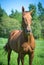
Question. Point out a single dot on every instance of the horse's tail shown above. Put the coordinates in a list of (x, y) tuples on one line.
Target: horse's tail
[(6, 47)]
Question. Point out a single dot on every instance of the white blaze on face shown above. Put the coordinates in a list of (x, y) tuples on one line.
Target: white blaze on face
[(28, 27)]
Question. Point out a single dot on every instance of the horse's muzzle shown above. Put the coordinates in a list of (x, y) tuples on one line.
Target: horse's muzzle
[(28, 31)]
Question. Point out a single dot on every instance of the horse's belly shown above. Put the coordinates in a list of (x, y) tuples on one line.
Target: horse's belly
[(15, 45)]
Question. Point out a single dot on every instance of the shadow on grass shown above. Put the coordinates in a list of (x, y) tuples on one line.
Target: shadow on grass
[(1, 63)]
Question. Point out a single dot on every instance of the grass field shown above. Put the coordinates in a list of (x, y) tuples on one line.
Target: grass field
[(38, 58)]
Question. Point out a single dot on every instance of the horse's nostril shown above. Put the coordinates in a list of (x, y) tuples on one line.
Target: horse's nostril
[(28, 30)]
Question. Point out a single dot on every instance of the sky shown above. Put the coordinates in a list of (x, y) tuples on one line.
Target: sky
[(8, 5)]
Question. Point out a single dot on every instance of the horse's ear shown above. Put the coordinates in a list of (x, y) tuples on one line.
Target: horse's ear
[(23, 9), (31, 11)]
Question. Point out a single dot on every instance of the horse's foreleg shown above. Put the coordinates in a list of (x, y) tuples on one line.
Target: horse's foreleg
[(9, 53), (31, 58), (18, 60), (22, 59)]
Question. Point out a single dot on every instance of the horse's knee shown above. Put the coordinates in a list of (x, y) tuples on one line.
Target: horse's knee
[(32, 55)]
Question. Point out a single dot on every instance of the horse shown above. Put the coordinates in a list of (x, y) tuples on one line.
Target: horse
[(22, 41)]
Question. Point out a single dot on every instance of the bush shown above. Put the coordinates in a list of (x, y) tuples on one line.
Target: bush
[(36, 28)]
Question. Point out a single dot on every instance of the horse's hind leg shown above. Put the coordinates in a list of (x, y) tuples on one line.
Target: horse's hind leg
[(9, 53)]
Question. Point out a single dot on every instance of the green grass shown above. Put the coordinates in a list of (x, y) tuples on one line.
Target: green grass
[(38, 55)]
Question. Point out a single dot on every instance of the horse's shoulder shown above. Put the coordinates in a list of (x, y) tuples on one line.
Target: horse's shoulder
[(15, 33)]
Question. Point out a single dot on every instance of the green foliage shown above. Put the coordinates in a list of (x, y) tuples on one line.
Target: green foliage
[(36, 30), (8, 25), (12, 14), (41, 11), (32, 7), (16, 15), (1, 14), (41, 17), (40, 8), (36, 27)]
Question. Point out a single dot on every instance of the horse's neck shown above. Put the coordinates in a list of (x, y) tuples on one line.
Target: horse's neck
[(25, 36)]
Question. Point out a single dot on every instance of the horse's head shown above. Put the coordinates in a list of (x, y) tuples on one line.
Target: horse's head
[(27, 20)]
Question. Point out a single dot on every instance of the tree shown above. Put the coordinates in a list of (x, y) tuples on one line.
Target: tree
[(36, 30), (12, 14), (40, 8), (32, 7), (41, 11), (16, 15), (41, 17), (1, 13)]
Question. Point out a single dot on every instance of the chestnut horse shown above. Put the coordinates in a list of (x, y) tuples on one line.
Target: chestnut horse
[(22, 41)]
